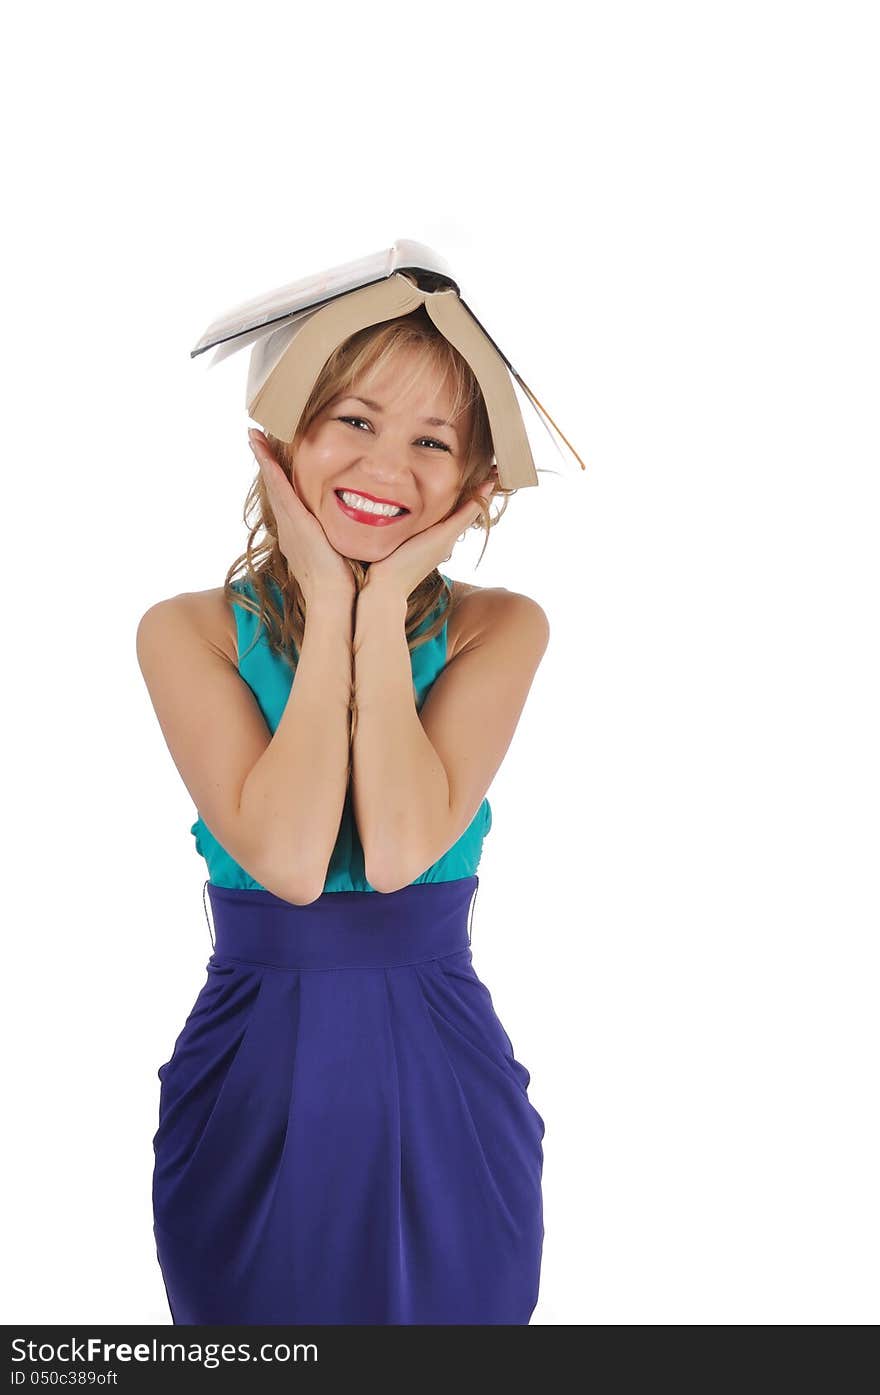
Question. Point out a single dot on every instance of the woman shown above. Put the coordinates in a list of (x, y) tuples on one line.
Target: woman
[(345, 1135)]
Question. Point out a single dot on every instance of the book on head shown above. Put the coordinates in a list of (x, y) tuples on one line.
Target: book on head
[(293, 331)]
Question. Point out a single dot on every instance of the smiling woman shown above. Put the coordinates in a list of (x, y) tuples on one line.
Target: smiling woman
[(363, 430), (345, 1134)]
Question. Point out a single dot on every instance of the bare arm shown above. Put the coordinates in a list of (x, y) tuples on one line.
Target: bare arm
[(420, 777), (400, 789), (296, 790), (274, 802)]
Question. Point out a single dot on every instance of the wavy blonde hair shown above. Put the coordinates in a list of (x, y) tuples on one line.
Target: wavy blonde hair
[(281, 605)]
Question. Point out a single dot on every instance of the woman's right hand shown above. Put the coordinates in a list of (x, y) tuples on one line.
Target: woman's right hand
[(319, 569)]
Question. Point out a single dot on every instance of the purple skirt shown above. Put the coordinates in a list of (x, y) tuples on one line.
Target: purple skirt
[(345, 1135)]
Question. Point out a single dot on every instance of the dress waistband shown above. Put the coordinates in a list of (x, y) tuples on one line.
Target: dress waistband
[(344, 929)]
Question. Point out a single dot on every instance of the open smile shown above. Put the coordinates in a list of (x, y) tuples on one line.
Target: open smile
[(373, 519)]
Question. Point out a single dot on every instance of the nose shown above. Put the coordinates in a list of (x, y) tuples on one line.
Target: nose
[(385, 475)]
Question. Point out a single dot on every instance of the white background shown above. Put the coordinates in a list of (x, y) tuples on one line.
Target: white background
[(668, 216)]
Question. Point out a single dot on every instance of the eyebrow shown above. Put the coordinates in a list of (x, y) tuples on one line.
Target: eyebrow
[(426, 421)]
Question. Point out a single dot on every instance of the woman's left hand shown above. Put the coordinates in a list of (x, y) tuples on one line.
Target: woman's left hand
[(402, 570)]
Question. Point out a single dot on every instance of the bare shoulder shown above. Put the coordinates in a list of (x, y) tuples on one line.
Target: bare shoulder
[(211, 616), (480, 611)]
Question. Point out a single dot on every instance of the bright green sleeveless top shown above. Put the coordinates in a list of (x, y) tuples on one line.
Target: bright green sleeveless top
[(270, 680)]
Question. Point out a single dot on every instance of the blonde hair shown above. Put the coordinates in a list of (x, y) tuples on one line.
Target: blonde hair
[(263, 564)]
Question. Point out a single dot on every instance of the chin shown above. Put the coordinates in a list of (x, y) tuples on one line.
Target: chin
[(380, 545)]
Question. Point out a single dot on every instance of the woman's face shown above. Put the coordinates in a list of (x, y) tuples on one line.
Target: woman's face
[(397, 446)]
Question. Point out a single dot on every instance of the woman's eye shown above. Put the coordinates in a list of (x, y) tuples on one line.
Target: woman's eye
[(352, 420)]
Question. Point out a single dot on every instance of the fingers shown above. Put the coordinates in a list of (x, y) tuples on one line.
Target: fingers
[(483, 494), (261, 452), (273, 475)]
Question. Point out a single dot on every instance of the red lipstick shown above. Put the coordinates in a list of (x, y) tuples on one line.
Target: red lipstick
[(375, 520)]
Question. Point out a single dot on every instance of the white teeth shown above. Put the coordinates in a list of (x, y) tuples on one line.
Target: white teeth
[(357, 501)]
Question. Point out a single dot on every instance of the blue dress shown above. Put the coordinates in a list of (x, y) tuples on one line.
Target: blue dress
[(345, 1134)]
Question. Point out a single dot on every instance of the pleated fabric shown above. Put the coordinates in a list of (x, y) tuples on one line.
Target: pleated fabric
[(345, 1135)]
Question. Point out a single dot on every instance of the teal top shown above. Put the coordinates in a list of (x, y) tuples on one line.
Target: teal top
[(270, 680)]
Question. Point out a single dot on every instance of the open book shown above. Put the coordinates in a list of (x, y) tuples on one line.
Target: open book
[(294, 330)]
